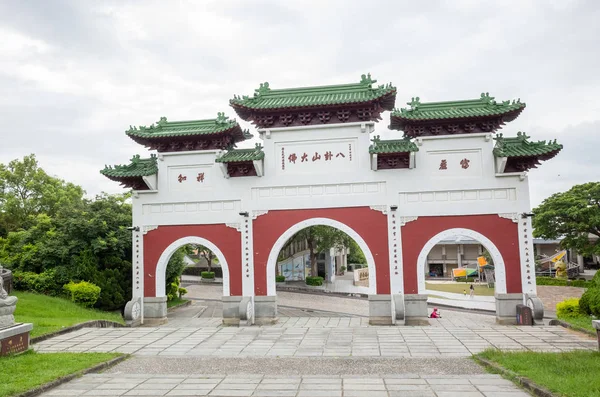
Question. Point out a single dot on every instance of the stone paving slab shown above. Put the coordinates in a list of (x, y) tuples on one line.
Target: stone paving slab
[(318, 337), (487, 385)]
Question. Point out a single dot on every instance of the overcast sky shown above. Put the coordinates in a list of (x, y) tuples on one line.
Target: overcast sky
[(75, 74)]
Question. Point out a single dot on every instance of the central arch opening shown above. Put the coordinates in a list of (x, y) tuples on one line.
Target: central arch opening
[(324, 248)]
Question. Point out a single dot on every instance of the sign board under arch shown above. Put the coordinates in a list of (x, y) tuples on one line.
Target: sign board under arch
[(161, 266), (499, 268), (272, 261)]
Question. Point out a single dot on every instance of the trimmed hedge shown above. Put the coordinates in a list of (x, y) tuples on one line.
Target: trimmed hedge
[(316, 281), (197, 271), (208, 275), (564, 283), (83, 293), (465, 279), (279, 279)]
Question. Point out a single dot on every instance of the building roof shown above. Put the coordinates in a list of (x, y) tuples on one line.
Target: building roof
[(170, 135), (520, 146), (266, 98), (240, 155), (485, 106), (380, 146), (138, 167)]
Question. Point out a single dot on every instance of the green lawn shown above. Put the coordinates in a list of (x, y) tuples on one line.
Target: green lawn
[(28, 370), (570, 374), (581, 321), (458, 288), (49, 314), (176, 302)]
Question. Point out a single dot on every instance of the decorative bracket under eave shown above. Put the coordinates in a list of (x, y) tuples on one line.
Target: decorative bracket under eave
[(151, 181), (501, 164), (259, 167)]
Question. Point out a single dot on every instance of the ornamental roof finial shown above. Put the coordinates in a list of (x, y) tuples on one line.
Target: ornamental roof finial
[(221, 118), (258, 146), (162, 121), (414, 103), (263, 89), (366, 79), (485, 96), (376, 138)]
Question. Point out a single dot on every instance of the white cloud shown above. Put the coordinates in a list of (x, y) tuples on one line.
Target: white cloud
[(75, 75)]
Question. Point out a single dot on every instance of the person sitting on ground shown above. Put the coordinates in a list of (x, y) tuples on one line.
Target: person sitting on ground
[(435, 313)]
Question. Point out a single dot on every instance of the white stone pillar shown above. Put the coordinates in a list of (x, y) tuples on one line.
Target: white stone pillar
[(580, 262), (527, 254), (458, 255), (395, 253), (248, 258)]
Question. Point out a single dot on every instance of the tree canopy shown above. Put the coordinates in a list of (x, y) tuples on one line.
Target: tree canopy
[(48, 227), (573, 215), (322, 238)]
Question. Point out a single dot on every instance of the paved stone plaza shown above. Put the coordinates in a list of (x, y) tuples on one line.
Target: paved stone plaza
[(321, 336), (309, 386), (326, 349)]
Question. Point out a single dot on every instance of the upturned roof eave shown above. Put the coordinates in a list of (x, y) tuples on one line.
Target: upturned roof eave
[(398, 122), (237, 106)]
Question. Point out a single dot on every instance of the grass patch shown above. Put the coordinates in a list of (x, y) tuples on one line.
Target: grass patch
[(580, 321), (28, 370), (570, 374), (458, 288), (176, 302), (50, 314)]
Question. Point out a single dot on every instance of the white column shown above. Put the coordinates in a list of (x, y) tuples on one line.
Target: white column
[(580, 262), (395, 250), (458, 255), (248, 258), (527, 254)]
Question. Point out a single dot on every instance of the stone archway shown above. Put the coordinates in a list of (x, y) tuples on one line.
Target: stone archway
[(500, 271), (272, 260), (161, 266)]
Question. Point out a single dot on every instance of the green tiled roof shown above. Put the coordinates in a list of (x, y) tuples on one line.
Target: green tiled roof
[(266, 98), (392, 146), (237, 155), (164, 128), (520, 146), (482, 107), (137, 168)]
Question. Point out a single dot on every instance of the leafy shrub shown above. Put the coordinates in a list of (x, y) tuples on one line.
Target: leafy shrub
[(590, 302), (316, 281), (43, 283), (83, 293), (175, 291), (568, 308), (280, 279), (208, 275)]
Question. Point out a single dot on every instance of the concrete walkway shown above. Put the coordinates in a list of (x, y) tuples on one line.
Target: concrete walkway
[(293, 386)]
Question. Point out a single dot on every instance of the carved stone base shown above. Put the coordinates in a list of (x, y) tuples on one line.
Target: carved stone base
[(506, 308), (15, 339), (265, 310), (415, 306), (155, 310), (380, 309)]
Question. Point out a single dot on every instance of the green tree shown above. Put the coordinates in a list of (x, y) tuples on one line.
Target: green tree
[(573, 215), (207, 254), (27, 191), (320, 238), (356, 255)]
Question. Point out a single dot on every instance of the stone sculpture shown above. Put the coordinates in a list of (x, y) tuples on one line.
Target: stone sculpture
[(8, 304)]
